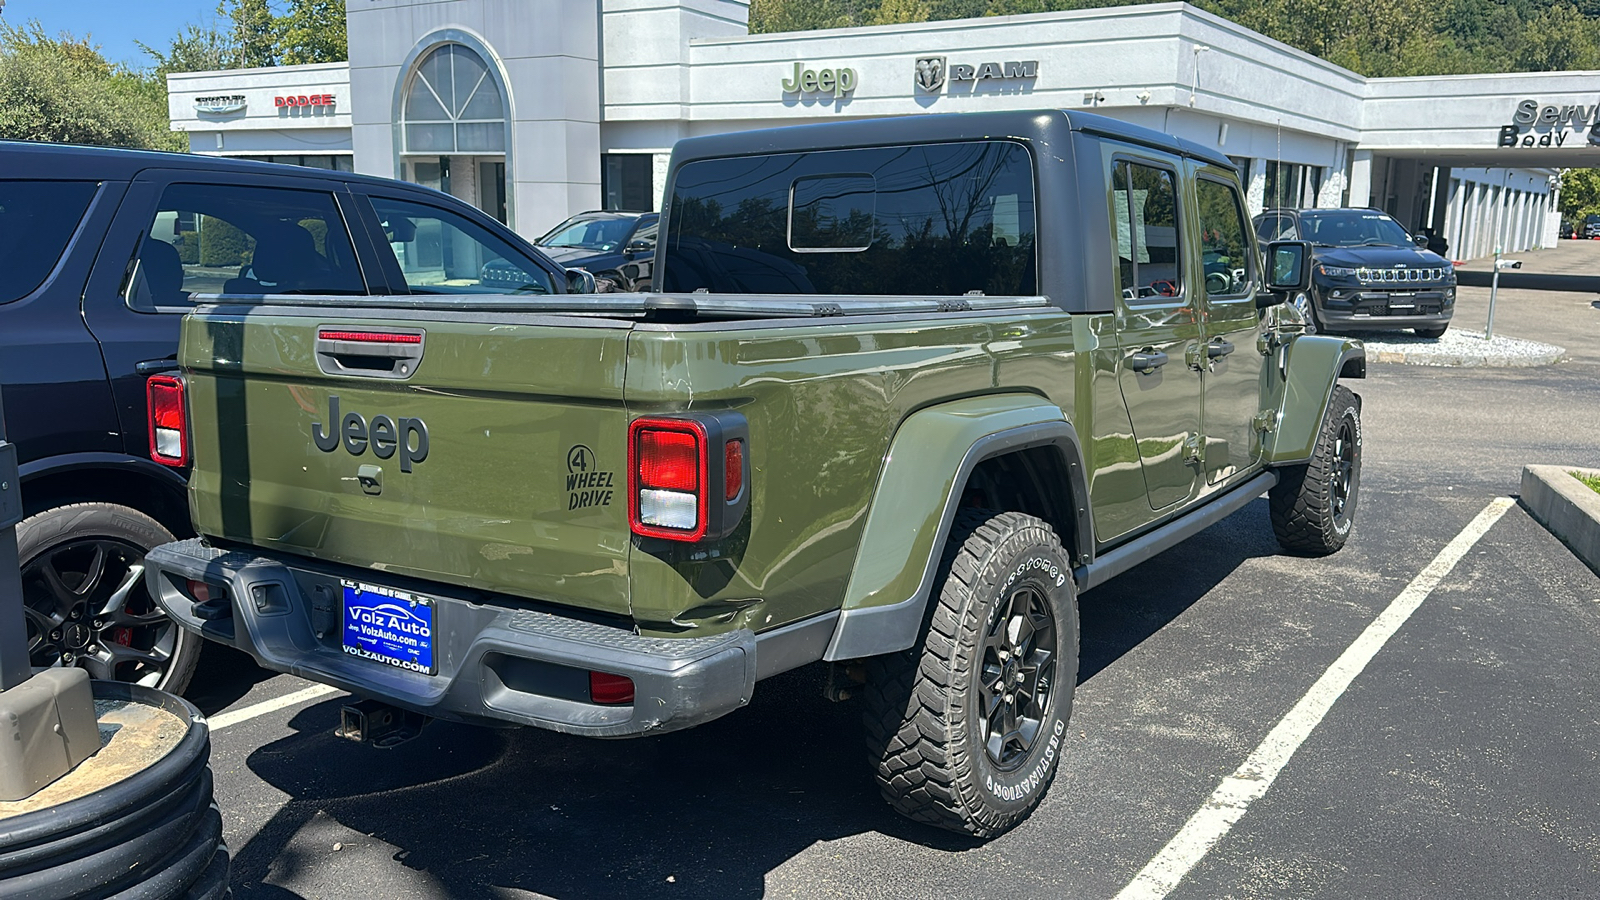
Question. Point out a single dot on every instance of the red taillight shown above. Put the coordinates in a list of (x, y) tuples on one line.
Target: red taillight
[(732, 469), (666, 471), (608, 688), (688, 477), (169, 426), (669, 460)]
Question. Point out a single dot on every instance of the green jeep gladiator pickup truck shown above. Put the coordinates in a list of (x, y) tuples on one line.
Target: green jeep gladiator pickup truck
[(904, 387)]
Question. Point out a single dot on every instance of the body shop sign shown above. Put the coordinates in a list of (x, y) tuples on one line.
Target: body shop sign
[(1555, 125)]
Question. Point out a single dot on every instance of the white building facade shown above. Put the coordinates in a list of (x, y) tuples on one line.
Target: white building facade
[(533, 110)]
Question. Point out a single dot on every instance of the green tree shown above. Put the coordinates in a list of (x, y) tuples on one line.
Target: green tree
[(1580, 194), (1557, 38), (62, 89), (313, 31), (900, 12), (254, 31), (198, 48)]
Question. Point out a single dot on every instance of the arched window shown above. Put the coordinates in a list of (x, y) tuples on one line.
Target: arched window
[(453, 105)]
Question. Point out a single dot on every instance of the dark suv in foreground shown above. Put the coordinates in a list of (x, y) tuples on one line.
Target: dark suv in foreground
[(1368, 275), (618, 247), (101, 253)]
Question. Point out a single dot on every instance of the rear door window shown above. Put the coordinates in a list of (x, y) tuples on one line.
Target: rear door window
[(441, 252), (208, 239), (1149, 256), (932, 219), (37, 221)]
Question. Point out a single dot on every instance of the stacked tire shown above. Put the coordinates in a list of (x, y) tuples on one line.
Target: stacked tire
[(154, 835)]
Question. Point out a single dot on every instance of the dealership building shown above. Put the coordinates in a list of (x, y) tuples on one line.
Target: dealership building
[(536, 109)]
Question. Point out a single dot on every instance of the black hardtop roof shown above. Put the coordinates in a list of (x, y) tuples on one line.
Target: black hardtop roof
[(1032, 126), (38, 159)]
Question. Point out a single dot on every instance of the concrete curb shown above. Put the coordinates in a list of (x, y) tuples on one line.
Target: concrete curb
[(1464, 349), (1567, 507)]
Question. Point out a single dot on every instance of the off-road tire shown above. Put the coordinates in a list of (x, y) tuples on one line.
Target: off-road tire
[(135, 533), (1313, 505), (1431, 332), (923, 706)]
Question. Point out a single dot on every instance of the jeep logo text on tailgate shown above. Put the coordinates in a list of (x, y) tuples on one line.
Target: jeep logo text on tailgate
[(386, 435)]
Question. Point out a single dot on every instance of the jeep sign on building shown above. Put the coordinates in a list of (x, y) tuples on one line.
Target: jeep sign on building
[(537, 109)]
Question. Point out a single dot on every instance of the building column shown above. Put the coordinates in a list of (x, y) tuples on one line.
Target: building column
[(1361, 179), (1552, 217), (1255, 192)]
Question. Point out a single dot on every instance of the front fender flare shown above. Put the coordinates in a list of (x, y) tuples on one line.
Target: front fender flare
[(1311, 364), (919, 489)]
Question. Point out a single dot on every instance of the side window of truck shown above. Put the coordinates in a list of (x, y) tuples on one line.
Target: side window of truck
[(440, 252), (230, 239), (37, 221), (1149, 254), (1225, 253)]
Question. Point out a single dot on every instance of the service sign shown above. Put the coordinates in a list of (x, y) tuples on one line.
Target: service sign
[(1536, 124)]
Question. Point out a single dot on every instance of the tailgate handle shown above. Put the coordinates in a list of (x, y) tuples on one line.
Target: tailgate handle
[(389, 353)]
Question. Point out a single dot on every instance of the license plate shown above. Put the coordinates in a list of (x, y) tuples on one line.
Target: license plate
[(389, 626)]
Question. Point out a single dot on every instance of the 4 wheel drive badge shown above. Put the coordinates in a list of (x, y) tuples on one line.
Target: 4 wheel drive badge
[(930, 73)]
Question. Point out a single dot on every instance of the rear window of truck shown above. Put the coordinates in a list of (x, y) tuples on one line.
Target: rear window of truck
[(932, 219), (37, 220)]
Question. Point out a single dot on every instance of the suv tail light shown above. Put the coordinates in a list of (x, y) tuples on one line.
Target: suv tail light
[(674, 491), (169, 420)]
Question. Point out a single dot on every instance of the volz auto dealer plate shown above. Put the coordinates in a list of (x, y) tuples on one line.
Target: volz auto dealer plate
[(389, 626)]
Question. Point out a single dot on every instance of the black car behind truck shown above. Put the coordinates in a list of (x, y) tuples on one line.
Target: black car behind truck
[(102, 252), (1369, 274), (619, 248)]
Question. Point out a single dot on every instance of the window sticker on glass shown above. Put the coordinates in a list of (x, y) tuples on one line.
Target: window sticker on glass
[(832, 213)]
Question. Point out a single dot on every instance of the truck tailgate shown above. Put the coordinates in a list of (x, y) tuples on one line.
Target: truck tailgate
[(477, 452)]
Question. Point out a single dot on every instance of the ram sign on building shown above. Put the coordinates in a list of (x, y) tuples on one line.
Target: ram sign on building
[(536, 109)]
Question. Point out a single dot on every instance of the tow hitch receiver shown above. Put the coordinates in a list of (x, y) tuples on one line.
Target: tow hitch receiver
[(379, 724)]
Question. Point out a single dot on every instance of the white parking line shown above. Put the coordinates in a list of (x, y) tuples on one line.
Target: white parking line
[(1252, 779), (234, 717)]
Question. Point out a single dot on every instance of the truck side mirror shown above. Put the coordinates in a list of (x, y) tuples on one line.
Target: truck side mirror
[(640, 246), (1288, 271), (579, 281), (1421, 240)]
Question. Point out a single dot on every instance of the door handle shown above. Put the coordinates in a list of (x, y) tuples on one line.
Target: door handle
[(1218, 348), (1147, 360)]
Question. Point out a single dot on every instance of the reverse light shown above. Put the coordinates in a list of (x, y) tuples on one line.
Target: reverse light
[(169, 426), (674, 490)]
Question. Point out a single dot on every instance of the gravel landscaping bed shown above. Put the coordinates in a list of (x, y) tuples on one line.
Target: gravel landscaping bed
[(1459, 348)]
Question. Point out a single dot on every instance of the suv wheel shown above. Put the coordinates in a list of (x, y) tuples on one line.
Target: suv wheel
[(965, 732), (1431, 332), (85, 602), (1314, 505), (1308, 310)]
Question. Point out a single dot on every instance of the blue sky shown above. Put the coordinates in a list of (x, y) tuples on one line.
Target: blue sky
[(114, 24)]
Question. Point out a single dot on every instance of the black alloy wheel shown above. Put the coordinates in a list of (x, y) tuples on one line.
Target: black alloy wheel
[(1019, 665), (85, 602), (86, 605), (1342, 473)]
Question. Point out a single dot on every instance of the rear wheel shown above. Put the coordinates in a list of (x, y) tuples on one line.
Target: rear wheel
[(85, 602), (965, 732), (1314, 505), (1431, 332)]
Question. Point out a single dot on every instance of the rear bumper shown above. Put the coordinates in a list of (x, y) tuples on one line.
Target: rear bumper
[(492, 663)]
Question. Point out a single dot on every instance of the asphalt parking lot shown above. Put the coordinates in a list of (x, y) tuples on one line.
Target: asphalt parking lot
[(1461, 760)]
